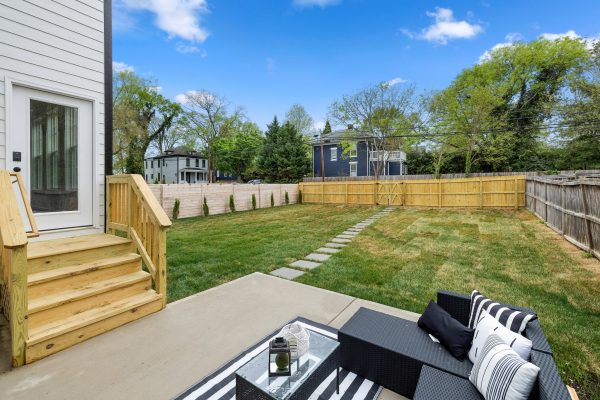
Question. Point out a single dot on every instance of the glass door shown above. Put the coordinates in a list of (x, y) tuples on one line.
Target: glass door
[(54, 156)]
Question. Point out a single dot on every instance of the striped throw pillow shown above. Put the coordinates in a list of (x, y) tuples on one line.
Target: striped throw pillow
[(514, 320), (500, 374)]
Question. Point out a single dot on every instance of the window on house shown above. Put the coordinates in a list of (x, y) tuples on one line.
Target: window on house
[(203, 163), (151, 164), (151, 176), (197, 175), (146, 177), (197, 163), (353, 153), (187, 162), (334, 154), (353, 168), (164, 162), (182, 176), (159, 177)]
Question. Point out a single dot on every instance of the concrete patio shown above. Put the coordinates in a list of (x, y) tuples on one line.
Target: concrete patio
[(161, 355)]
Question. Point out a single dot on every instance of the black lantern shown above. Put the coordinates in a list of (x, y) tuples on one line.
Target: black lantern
[(280, 357)]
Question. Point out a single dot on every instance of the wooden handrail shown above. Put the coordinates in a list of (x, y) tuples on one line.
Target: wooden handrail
[(34, 229), (12, 231), (13, 267), (133, 209)]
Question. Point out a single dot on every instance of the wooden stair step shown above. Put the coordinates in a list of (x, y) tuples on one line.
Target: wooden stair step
[(55, 300), (88, 318), (74, 270), (55, 247)]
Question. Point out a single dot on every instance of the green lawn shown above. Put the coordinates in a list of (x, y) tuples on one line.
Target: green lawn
[(208, 251), (403, 258)]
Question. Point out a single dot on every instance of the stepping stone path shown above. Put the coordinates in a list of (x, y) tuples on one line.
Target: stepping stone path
[(322, 254)]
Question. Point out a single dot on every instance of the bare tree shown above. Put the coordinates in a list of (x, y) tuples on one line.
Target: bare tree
[(207, 121), (384, 116), (300, 119)]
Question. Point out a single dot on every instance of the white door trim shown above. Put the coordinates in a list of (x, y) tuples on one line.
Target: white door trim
[(43, 85)]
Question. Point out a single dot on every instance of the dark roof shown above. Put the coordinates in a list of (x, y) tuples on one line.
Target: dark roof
[(180, 151), (338, 135)]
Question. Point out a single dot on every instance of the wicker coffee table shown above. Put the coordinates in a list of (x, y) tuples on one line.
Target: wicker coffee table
[(322, 359)]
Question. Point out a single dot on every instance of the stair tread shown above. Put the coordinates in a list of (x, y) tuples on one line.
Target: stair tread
[(64, 325), (69, 245), (54, 300), (72, 270)]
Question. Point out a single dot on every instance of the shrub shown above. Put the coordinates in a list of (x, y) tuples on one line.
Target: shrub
[(272, 200), (176, 209), (287, 198), (253, 201), (231, 203), (299, 196), (205, 208)]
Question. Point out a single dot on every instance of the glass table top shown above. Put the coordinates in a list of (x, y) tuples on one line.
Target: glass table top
[(282, 387)]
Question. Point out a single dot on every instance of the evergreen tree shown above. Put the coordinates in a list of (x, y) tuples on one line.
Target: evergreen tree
[(327, 128), (284, 156)]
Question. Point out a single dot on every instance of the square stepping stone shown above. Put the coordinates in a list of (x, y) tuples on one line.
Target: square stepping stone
[(287, 273), (340, 240), (355, 229), (317, 257), (349, 233), (327, 250), (305, 264), (335, 245), (342, 236)]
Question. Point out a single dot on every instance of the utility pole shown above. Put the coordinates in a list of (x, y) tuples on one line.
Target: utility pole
[(322, 161)]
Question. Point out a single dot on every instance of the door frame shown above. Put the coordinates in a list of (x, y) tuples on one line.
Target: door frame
[(57, 89)]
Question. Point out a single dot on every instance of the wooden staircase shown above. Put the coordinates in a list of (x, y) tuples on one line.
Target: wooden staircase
[(81, 287), (57, 293)]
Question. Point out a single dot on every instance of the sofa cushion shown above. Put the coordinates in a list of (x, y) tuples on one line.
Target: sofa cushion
[(488, 325), (514, 320), (453, 335), (500, 374), (439, 385)]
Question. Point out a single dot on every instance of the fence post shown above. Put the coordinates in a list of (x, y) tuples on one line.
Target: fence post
[(516, 193), (322, 192), (480, 192), (546, 201), (588, 228), (402, 194), (375, 192), (562, 209), (259, 198), (346, 193), (439, 193)]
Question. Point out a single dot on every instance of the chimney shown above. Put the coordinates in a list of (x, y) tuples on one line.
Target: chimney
[(350, 127)]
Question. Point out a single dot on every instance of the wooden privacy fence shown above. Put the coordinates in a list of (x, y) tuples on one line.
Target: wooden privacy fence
[(569, 206), (481, 192), (192, 196)]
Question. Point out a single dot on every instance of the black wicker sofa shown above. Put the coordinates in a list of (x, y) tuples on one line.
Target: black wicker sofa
[(400, 356)]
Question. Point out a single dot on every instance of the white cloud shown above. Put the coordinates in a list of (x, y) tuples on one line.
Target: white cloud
[(510, 39), (121, 66), (179, 18), (318, 126), (571, 34), (319, 3), (190, 49), (183, 98), (445, 28), (396, 81)]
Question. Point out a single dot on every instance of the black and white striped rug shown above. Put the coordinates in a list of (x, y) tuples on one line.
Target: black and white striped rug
[(220, 385)]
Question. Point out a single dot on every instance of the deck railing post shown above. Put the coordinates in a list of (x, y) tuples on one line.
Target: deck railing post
[(17, 262)]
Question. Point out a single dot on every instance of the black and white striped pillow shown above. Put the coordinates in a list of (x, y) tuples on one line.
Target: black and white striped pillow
[(516, 321), (500, 374)]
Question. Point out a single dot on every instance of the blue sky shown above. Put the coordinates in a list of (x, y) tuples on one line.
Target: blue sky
[(266, 55)]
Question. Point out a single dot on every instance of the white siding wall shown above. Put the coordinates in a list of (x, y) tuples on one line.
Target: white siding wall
[(56, 45)]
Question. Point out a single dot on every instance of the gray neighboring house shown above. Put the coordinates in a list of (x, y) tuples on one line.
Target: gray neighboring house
[(360, 161), (176, 165)]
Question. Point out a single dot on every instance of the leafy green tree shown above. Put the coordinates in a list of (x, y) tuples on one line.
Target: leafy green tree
[(327, 128), (140, 116), (284, 157), (238, 152), (300, 119)]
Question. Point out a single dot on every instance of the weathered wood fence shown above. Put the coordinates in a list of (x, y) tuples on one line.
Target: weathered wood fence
[(569, 206), (192, 196), (481, 192)]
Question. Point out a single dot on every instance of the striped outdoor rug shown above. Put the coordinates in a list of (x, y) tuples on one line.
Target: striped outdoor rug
[(220, 385)]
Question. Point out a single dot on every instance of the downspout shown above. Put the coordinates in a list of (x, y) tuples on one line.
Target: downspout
[(108, 104)]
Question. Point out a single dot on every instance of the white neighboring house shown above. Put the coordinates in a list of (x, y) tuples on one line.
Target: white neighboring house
[(176, 166), (55, 79)]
